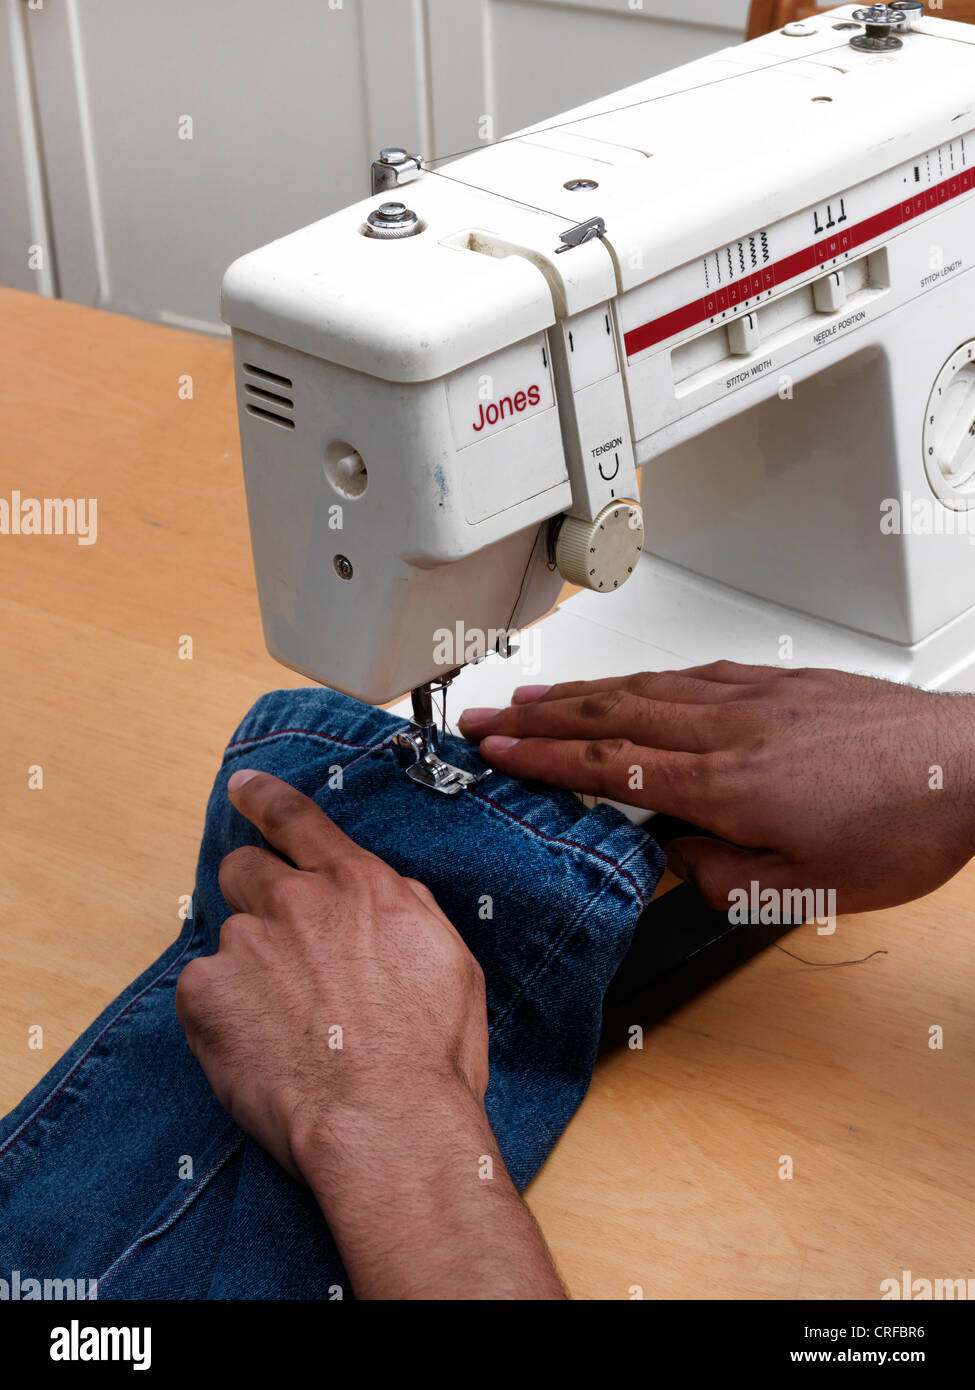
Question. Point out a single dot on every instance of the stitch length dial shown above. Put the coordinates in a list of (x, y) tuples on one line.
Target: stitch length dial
[(949, 430)]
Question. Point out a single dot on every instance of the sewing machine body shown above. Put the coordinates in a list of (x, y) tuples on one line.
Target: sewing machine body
[(778, 326)]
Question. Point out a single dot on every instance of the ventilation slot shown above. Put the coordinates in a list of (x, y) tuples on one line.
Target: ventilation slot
[(265, 375), (271, 397), (269, 415), (266, 388)]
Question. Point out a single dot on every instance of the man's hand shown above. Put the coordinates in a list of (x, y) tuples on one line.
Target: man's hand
[(338, 942), (342, 1023), (815, 778)]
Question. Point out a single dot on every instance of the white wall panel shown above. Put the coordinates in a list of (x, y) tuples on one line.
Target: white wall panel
[(147, 221), (26, 251), (289, 100), (518, 61)]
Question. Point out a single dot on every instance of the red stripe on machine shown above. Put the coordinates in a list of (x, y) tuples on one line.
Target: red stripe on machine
[(719, 301)]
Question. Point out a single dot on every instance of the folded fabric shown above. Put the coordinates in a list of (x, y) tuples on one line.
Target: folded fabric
[(121, 1166)]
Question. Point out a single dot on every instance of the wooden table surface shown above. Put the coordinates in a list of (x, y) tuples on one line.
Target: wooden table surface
[(668, 1180)]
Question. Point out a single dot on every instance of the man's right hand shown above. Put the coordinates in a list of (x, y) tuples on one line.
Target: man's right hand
[(814, 779)]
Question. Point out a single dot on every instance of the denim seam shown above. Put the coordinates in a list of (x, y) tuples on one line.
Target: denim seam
[(487, 801), (546, 962), (586, 850), (174, 1215), (367, 748), (86, 1056), (376, 748), (308, 733), (642, 850)]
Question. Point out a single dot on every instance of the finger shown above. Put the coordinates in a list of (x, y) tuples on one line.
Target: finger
[(717, 869), (655, 685), (734, 673), (247, 876), (290, 821), (239, 928), (610, 714), (192, 989), (423, 893), (683, 685), (678, 784), (429, 901)]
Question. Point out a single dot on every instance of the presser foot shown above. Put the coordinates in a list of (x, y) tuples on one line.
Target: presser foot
[(430, 770), (420, 739)]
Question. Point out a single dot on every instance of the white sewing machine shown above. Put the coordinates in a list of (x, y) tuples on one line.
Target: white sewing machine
[(752, 276)]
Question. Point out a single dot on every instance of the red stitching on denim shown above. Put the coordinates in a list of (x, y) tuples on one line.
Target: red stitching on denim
[(87, 1055), (112, 1270), (371, 748), (571, 844), (275, 733)]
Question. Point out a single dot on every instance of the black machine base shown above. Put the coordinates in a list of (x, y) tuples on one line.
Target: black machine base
[(680, 947)]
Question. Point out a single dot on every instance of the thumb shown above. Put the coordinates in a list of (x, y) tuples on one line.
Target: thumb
[(715, 868)]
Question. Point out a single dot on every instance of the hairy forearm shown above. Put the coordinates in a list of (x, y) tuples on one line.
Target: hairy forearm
[(421, 1204)]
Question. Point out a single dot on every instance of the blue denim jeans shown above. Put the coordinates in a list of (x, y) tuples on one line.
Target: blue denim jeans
[(121, 1165)]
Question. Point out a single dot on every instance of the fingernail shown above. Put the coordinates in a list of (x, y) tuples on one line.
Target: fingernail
[(239, 778), (478, 716), (498, 743), (526, 693)]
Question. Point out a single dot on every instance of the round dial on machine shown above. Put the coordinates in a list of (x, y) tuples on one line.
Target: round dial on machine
[(601, 554), (949, 430)]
